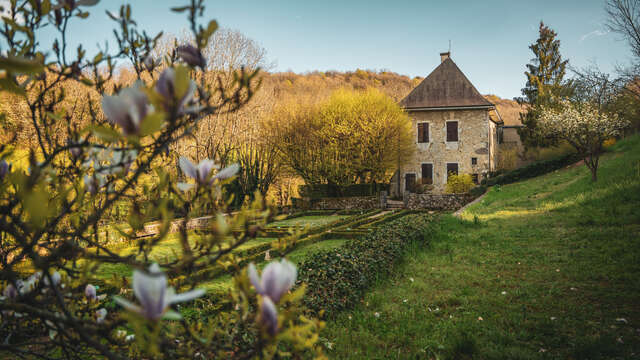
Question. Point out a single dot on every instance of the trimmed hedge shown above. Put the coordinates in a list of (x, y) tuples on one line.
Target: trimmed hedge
[(532, 170), (318, 191), (337, 278)]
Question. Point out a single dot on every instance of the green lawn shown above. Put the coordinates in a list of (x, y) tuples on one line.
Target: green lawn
[(311, 221), (548, 268)]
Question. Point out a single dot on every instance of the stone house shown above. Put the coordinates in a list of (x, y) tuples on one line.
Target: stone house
[(456, 131)]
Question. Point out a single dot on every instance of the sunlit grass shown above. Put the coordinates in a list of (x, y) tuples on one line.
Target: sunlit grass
[(545, 268)]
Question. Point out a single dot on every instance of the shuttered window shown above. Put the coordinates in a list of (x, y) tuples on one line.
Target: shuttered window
[(452, 131), (476, 179), (452, 168), (423, 132), (427, 174)]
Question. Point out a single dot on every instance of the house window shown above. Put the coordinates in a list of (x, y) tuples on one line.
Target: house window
[(409, 182), (474, 161), (452, 169), (476, 179), (452, 131), (423, 132), (427, 174)]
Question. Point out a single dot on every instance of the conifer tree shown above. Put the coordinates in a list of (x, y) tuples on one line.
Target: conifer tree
[(544, 85)]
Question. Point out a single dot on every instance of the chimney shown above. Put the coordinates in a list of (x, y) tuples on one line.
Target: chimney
[(444, 56)]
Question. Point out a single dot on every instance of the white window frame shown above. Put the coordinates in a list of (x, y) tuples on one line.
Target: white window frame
[(418, 132), (445, 131)]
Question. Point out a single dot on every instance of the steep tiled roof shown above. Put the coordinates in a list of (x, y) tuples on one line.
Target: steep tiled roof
[(446, 86)]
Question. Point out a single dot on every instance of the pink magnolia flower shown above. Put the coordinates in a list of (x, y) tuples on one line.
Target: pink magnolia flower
[(166, 88), (150, 288), (127, 109), (277, 279), (191, 55), (200, 173), (90, 292), (269, 315)]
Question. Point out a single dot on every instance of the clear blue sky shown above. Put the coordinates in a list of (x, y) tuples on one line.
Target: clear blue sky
[(489, 38)]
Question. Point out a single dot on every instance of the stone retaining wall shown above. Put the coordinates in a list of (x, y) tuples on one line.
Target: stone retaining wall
[(445, 202), (153, 228), (345, 203)]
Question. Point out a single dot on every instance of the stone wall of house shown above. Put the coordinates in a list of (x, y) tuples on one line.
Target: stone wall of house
[(447, 202), (345, 203), (474, 141)]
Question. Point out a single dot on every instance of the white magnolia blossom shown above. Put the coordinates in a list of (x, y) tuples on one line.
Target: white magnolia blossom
[(90, 292), (166, 88), (201, 172), (269, 315), (277, 279), (155, 297), (100, 315), (191, 55), (127, 109)]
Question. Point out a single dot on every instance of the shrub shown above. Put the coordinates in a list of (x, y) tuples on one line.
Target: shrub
[(609, 143), (459, 184), (337, 278), (532, 170), (478, 190)]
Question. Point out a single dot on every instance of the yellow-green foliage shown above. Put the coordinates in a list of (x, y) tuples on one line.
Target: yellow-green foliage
[(457, 184), (354, 137), (609, 142)]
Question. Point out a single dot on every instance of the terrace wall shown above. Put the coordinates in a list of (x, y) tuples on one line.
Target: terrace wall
[(345, 203), (444, 202)]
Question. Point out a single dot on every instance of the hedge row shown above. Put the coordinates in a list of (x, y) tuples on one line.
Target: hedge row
[(532, 170), (318, 191), (337, 278)]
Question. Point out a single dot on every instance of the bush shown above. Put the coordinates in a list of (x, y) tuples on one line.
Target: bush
[(459, 184), (478, 190), (532, 170), (318, 191), (337, 278)]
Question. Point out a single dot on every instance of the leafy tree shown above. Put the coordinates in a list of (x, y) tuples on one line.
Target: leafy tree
[(354, 137), (545, 76), (583, 125)]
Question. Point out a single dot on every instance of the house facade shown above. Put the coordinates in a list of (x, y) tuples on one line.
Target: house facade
[(456, 131)]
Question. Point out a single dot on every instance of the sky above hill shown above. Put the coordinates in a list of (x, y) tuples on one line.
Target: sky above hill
[(489, 39)]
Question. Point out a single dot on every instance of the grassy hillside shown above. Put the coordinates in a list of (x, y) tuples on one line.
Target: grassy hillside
[(548, 268)]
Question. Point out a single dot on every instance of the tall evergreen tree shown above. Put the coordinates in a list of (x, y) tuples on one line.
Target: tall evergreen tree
[(544, 85)]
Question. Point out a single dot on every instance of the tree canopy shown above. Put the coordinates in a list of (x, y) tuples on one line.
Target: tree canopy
[(353, 137)]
